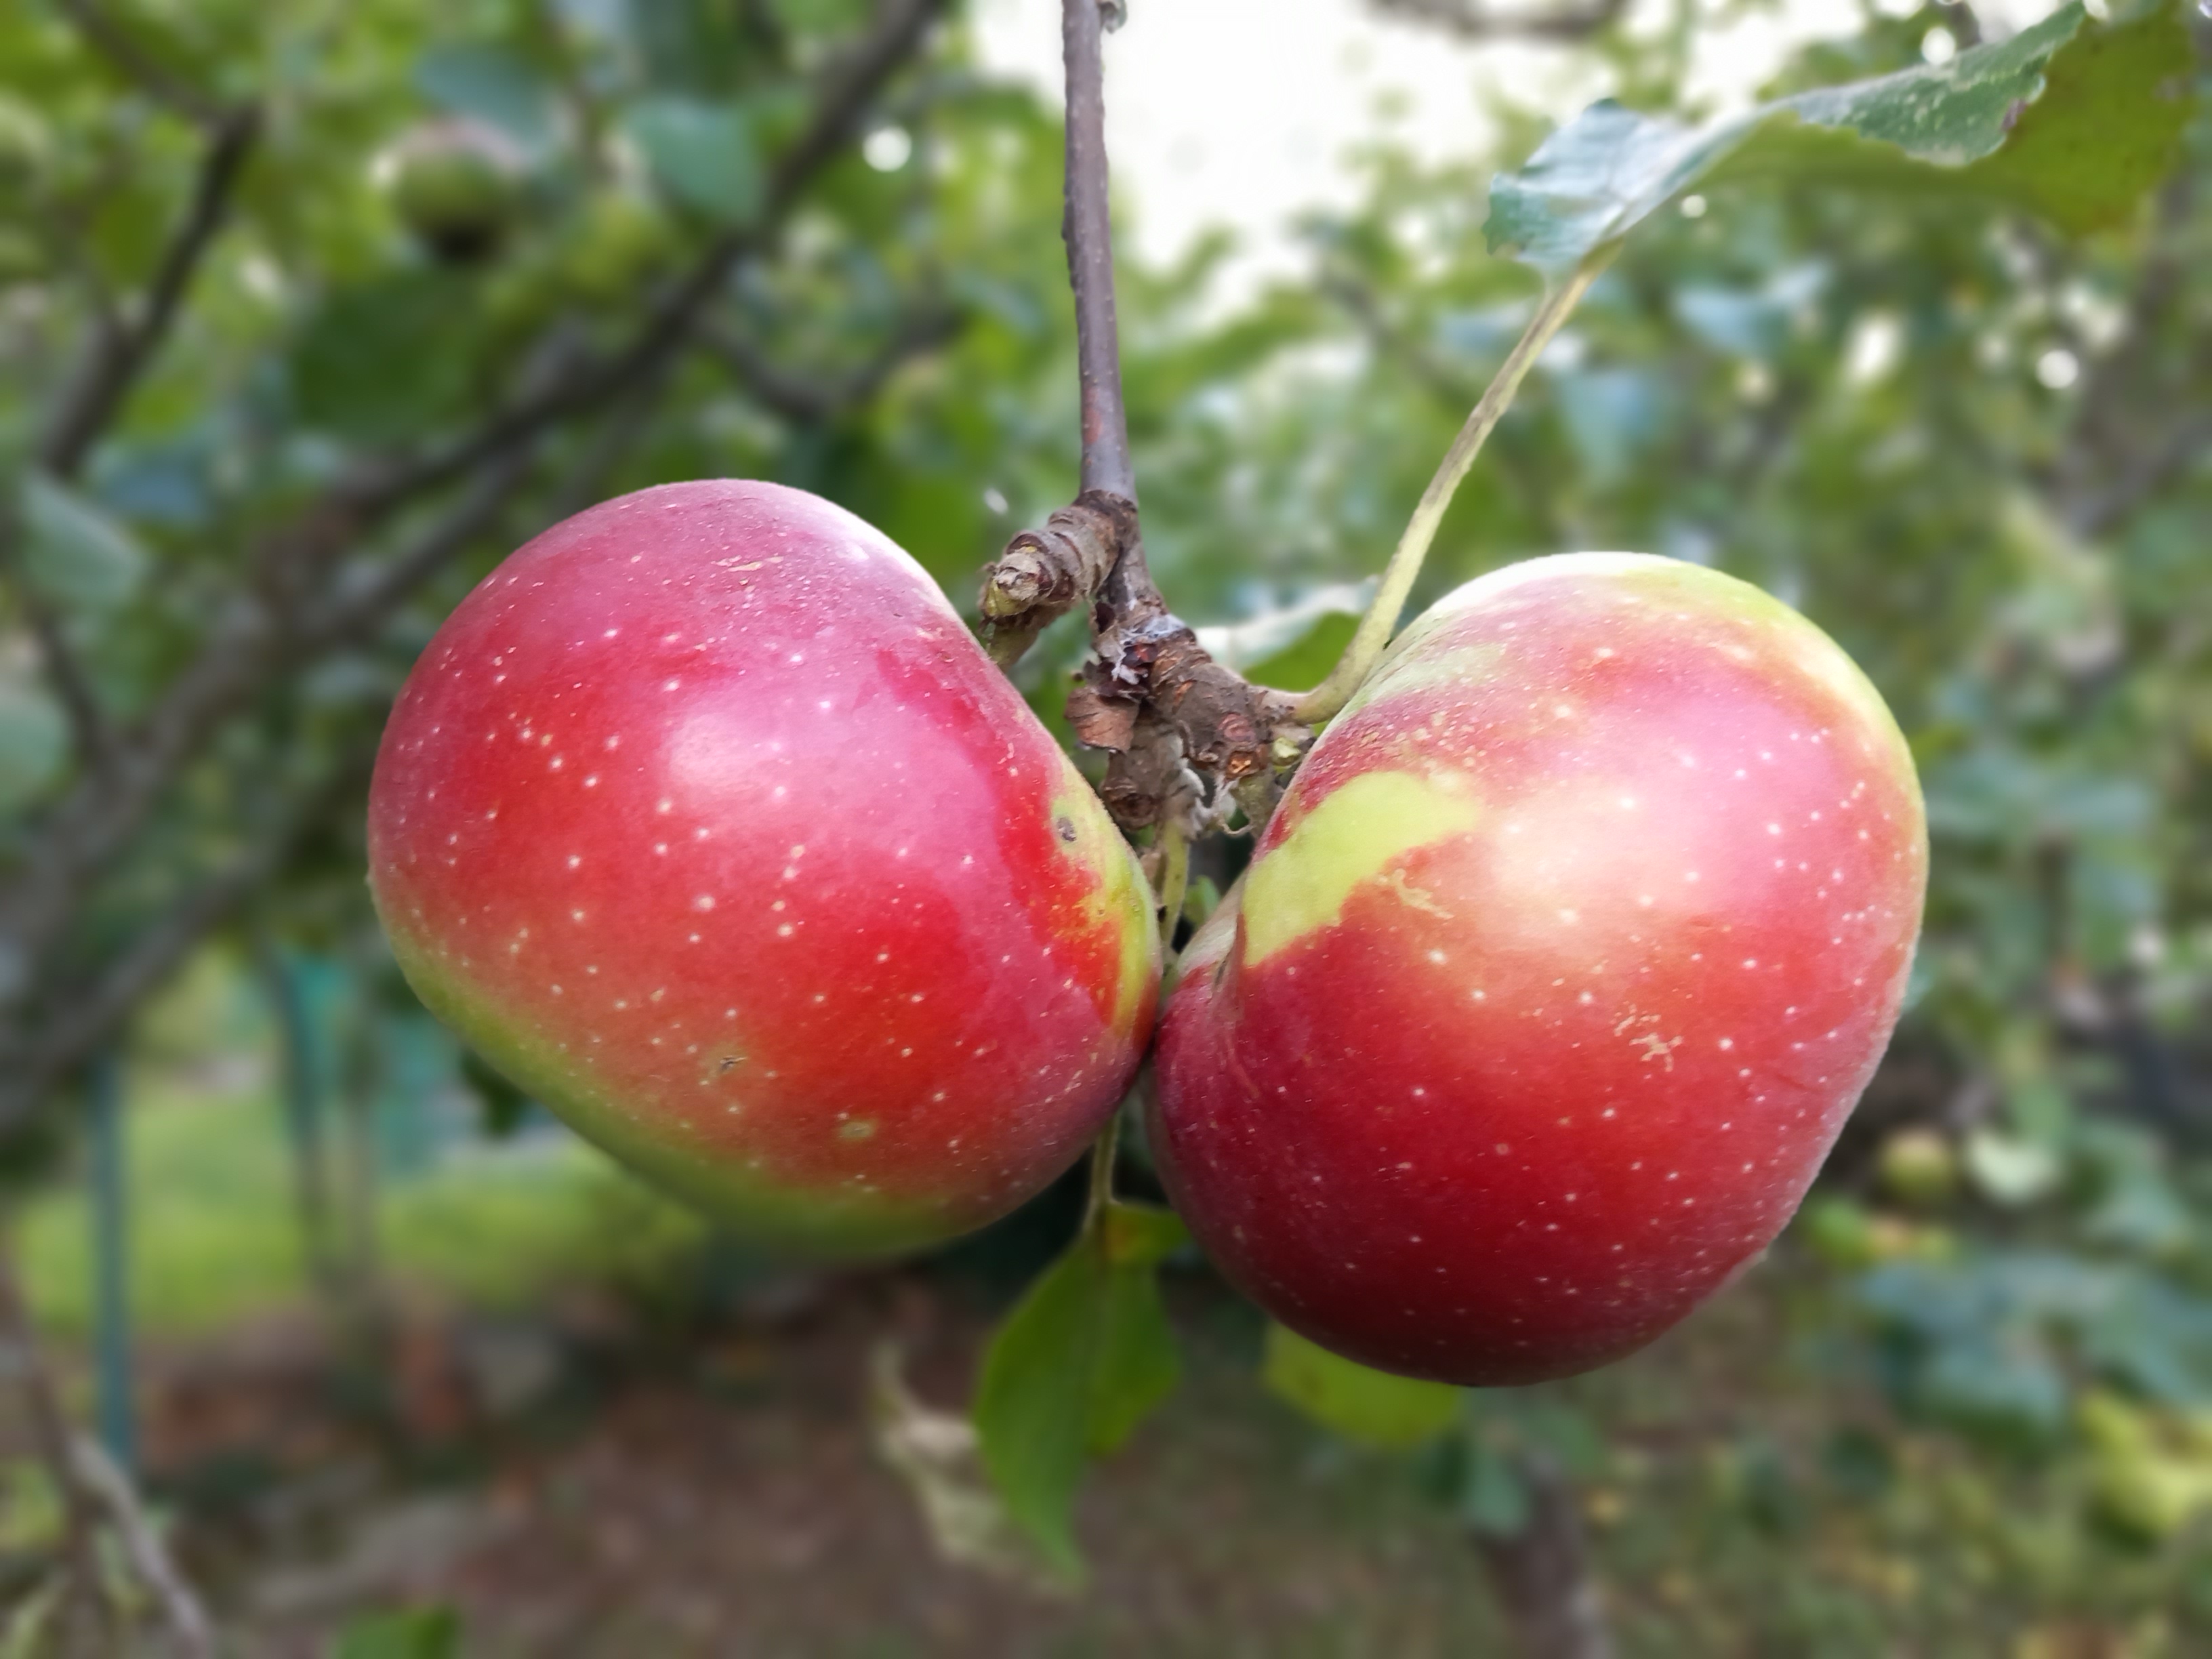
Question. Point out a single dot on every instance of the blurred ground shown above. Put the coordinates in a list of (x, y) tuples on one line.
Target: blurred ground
[(625, 1443)]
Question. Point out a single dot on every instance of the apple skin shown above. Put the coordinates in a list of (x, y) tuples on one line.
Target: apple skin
[(1554, 976), (704, 819)]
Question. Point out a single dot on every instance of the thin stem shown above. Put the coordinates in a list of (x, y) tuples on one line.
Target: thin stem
[(1103, 1152), (1375, 628), (1089, 232), (1174, 879)]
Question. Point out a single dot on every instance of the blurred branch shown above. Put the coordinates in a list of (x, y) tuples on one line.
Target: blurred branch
[(297, 606), (122, 351), (21, 1359), (1473, 20), (65, 672), (2146, 473), (160, 83), (844, 92), (817, 397), (2106, 442), (192, 1637), (122, 347), (1542, 1572), (1359, 300), (88, 1015)]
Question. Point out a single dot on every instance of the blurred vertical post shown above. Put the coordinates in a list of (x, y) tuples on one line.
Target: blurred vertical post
[(111, 1267), (307, 1074)]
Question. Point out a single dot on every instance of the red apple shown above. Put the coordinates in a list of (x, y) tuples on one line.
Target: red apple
[(704, 818), (1554, 976)]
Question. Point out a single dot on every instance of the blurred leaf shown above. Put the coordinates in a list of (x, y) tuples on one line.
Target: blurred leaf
[(1072, 1369), (1295, 645), (1305, 663), (492, 85), (383, 361), (2013, 1391), (505, 1107), (413, 1633), (75, 554), (702, 153), (1494, 1500), (1612, 415), (1370, 1407), (2110, 133), (33, 743)]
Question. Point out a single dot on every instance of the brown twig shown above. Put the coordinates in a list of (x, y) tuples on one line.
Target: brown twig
[(1150, 694), (1088, 229)]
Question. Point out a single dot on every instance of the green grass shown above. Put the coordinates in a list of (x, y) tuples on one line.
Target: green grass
[(214, 1236)]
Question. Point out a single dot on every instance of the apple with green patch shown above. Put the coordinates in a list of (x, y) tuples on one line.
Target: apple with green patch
[(1554, 976), (705, 819)]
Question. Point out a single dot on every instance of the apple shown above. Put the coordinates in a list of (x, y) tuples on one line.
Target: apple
[(705, 819), (1555, 975), (1916, 1166), (455, 186)]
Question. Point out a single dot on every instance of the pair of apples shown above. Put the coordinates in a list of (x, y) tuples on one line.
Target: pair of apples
[(1570, 945)]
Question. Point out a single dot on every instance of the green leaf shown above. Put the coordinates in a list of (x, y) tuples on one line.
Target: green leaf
[(2071, 119), (1371, 1406), (34, 744), (703, 155), (1137, 1365), (1142, 1235), (412, 1633), (74, 554), (1072, 1371), (1305, 662), (493, 86)]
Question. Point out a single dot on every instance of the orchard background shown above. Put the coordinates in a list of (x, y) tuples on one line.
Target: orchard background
[(397, 1366)]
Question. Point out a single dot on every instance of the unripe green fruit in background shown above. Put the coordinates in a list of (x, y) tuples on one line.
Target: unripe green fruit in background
[(1919, 1166), (455, 187)]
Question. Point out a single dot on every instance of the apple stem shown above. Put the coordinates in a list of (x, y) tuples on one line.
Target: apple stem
[(1102, 1153), (1328, 698), (1174, 879)]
